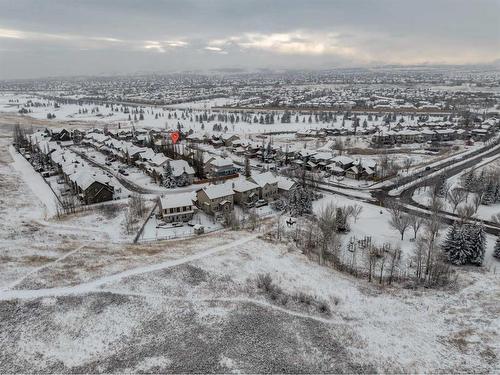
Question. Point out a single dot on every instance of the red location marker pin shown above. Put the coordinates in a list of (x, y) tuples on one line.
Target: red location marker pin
[(174, 136)]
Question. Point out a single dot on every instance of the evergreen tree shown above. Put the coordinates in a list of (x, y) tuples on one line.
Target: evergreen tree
[(340, 220), (168, 177), (496, 250), (454, 246), (476, 244), (300, 201), (248, 170), (489, 196)]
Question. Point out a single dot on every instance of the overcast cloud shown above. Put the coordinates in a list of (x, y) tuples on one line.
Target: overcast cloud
[(64, 37)]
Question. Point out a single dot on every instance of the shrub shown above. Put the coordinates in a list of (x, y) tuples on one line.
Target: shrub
[(265, 282)]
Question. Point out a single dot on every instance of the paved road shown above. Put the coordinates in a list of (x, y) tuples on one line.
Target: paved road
[(132, 186), (125, 182), (405, 198)]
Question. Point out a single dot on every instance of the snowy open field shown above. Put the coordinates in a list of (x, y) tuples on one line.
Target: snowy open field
[(76, 296), (70, 112)]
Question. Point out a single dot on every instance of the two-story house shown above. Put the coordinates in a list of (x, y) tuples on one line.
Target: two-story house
[(268, 185), (215, 199), (218, 167), (245, 192), (176, 207)]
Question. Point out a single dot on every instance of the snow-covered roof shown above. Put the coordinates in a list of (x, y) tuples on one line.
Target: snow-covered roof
[(341, 159), (177, 200), (244, 185), (181, 166), (221, 162), (226, 137), (158, 159), (87, 177), (218, 191), (368, 163), (264, 178), (285, 183)]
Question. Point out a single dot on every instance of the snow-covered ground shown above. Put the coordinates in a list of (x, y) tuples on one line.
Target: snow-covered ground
[(424, 195), (70, 112), (74, 297), (155, 230)]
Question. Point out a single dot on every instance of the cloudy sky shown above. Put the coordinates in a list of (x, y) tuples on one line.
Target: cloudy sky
[(63, 37)]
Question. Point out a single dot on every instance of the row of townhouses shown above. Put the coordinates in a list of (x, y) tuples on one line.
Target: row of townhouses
[(219, 199), (90, 184)]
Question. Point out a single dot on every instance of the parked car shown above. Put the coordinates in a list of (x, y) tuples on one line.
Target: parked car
[(177, 224), (260, 203), (249, 204)]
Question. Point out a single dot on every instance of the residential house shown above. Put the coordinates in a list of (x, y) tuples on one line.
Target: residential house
[(216, 199), (93, 187), (285, 185), (176, 207), (218, 167), (245, 192), (229, 139), (268, 184)]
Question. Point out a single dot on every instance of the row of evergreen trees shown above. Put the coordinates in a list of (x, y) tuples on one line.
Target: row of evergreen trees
[(465, 244), (486, 184)]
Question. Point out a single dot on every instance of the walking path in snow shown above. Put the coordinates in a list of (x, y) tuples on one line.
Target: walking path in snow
[(253, 301), (38, 269), (35, 182), (95, 285)]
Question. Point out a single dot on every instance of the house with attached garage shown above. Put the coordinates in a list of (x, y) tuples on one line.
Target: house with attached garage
[(216, 199), (245, 192), (228, 139), (218, 167), (181, 169), (343, 162), (285, 185), (176, 207), (93, 187), (268, 185), (59, 135)]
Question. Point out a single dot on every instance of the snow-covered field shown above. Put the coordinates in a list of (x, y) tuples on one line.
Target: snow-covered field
[(158, 117), (75, 298)]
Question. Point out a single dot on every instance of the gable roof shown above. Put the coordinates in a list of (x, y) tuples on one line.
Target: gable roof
[(264, 178), (218, 191), (244, 185), (221, 162), (285, 183), (176, 200)]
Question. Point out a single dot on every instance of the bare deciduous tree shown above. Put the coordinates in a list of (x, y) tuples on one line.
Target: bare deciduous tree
[(326, 225), (394, 259), (372, 257), (399, 220), (354, 211), (466, 212), (432, 227), (476, 201), (408, 163), (416, 223), (456, 196)]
